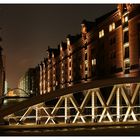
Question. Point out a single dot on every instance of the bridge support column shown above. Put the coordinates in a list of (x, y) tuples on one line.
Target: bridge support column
[(38, 114), (93, 105), (67, 109)]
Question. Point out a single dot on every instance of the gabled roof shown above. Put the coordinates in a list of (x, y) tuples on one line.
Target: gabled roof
[(102, 18), (89, 25), (73, 38)]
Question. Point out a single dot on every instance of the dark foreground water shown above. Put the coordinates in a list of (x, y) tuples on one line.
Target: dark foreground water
[(91, 131), (11, 101)]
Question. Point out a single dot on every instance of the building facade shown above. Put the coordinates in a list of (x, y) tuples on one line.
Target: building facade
[(28, 82), (108, 47), (118, 42)]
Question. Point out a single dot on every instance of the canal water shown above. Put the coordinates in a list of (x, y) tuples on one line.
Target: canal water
[(11, 101), (81, 131)]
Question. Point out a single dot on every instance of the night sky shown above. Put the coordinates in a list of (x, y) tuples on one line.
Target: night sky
[(27, 30)]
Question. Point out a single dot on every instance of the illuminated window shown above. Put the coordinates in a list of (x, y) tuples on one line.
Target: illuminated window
[(126, 66), (68, 41), (56, 83), (126, 44), (62, 72), (52, 54), (86, 63), (62, 79), (101, 33), (125, 29), (111, 27), (53, 88), (49, 89), (126, 19), (69, 59), (84, 29), (61, 48), (93, 62)]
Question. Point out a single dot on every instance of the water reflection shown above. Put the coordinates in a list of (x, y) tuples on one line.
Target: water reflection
[(11, 101)]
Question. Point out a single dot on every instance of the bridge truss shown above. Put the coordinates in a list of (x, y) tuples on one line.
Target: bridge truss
[(118, 103)]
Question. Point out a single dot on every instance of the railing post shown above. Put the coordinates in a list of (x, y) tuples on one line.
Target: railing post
[(67, 110), (37, 109), (93, 105), (118, 103)]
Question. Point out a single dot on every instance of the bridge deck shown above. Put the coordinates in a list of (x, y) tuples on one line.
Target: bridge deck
[(61, 92)]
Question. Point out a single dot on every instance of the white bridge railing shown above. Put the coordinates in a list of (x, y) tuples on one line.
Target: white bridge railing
[(122, 105)]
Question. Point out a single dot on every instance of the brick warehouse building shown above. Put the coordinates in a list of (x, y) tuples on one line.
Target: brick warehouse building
[(108, 47), (118, 42)]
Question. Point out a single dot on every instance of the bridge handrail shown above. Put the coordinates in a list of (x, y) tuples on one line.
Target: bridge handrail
[(61, 92)]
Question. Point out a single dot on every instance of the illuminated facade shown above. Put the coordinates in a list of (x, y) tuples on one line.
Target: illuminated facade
[(118, 48), (27, 82), (107, 47)]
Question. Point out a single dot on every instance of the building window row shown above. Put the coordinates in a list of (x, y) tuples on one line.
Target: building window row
[(111, 28)]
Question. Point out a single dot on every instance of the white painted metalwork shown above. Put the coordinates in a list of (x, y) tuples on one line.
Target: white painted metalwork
[(121, 105)]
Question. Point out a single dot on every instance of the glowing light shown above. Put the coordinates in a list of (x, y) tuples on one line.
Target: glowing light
[(84, 29), (49, 89), (128, 85), (86, 63), (56, 83), (111, 27), (93, 62), (125, 29), (126, 44), (53, 55), (101, 33), (62, 79), (126, 19), (127, 60), (68, 41), (69, 59)]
